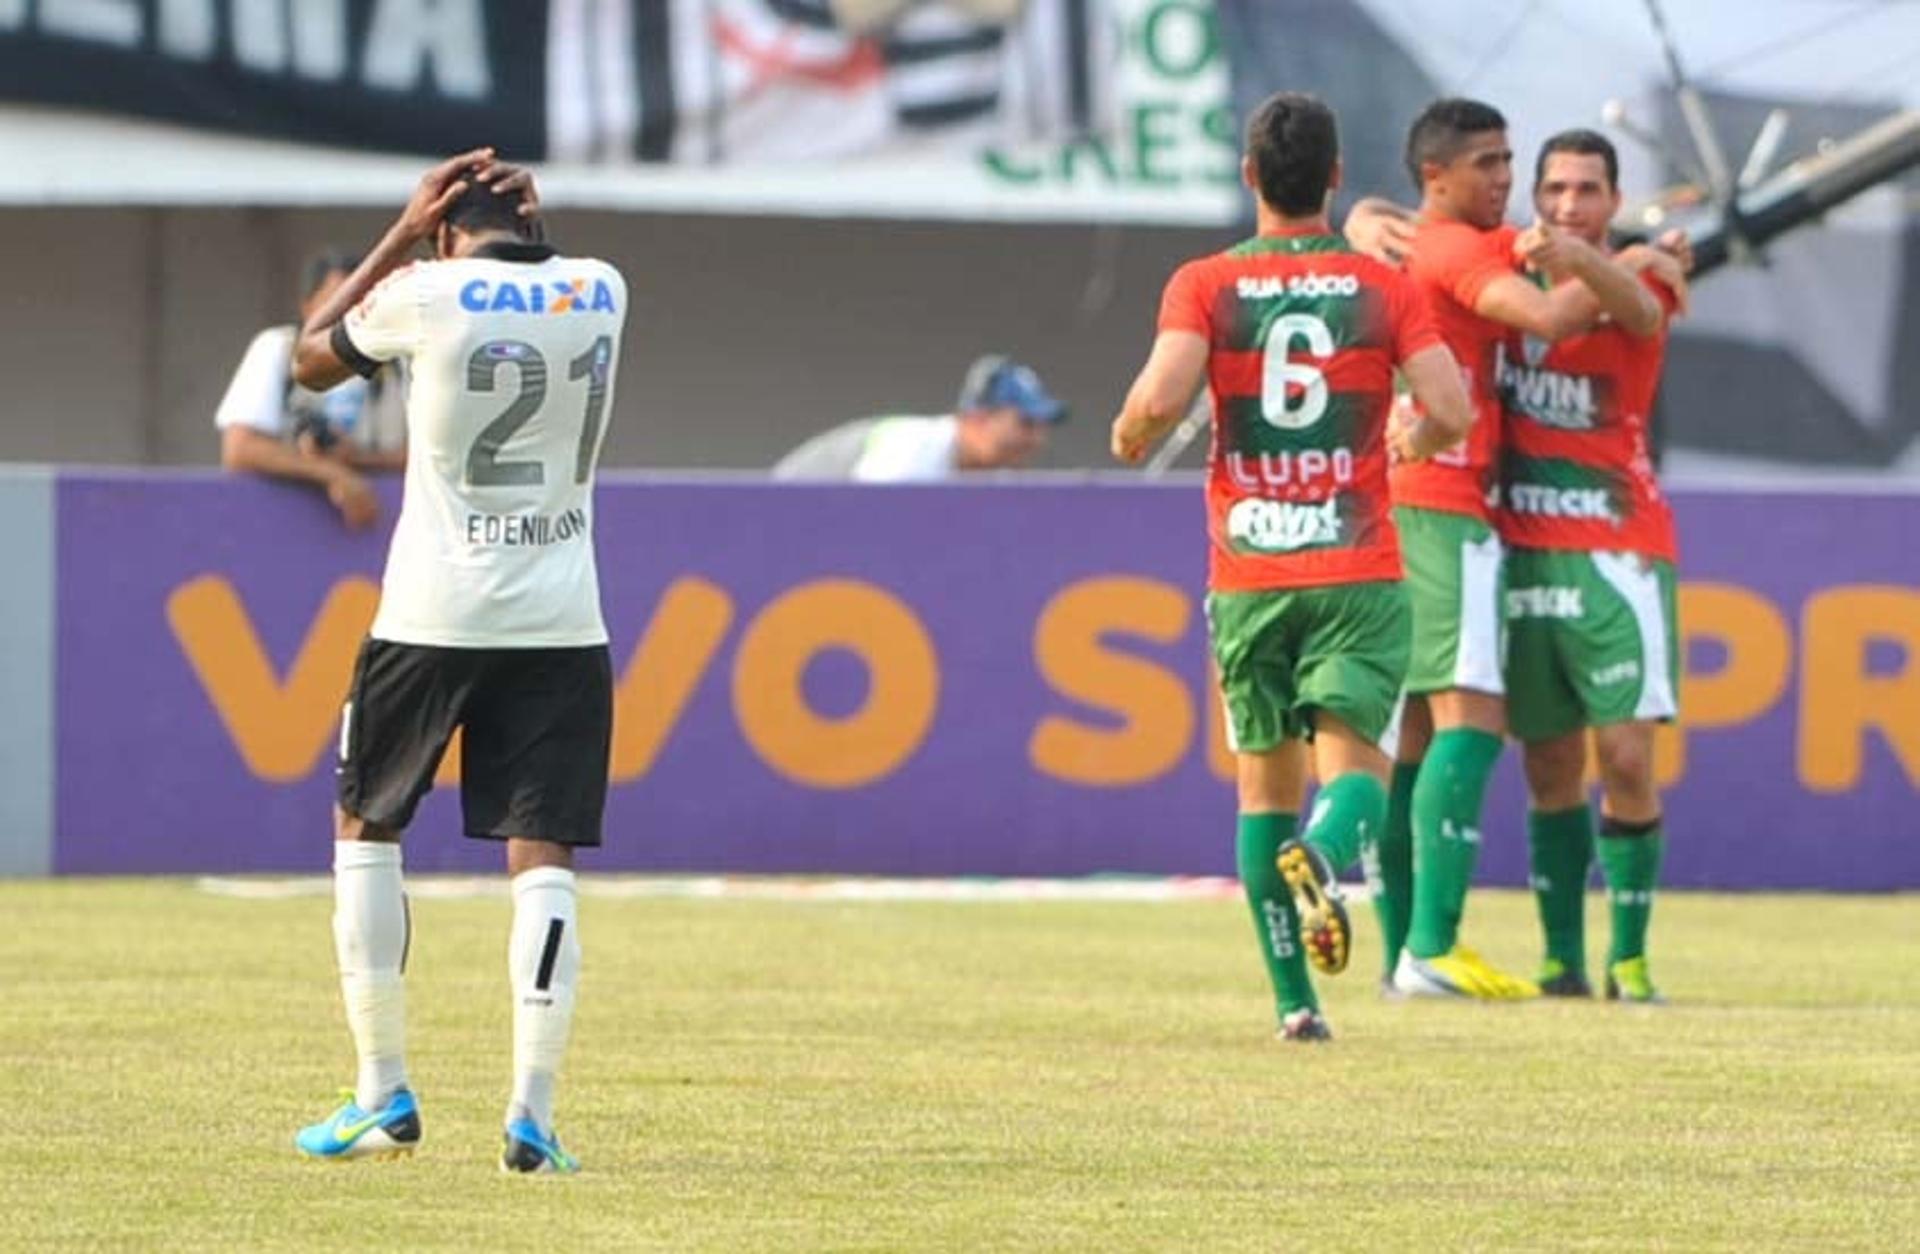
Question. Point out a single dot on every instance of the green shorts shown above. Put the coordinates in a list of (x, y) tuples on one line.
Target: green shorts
[(1595, 641), (1454, 581), (1286, 653)]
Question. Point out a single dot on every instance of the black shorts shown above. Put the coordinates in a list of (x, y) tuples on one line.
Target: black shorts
[(536, 724)]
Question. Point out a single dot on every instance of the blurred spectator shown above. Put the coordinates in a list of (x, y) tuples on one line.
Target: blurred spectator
[(271, 425), (1000, 421)]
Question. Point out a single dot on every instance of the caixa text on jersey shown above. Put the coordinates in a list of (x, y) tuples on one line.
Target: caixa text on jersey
[(569, 296)]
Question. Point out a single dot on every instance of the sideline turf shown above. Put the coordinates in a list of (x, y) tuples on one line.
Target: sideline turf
[(764, 1075)]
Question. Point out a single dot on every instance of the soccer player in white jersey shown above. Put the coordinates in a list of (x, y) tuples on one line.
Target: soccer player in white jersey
[(489, 620)]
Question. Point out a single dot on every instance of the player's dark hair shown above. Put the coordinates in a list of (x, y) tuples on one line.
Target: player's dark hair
[(1583, 143), (1293, 142), (1442, 130), (479, 209)]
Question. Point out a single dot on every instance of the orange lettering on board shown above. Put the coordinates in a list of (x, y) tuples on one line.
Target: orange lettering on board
[(1153, 706), (903, 688), (280, 727), (666, 666), (1759, 660), (448, 774), (1842, 700)]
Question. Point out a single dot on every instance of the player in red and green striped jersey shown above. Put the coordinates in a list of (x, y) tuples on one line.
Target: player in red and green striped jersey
[(1591, 599), (1468, 264), (1298, 337)]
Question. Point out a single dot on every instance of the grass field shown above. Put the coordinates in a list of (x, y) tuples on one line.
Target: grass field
[(778, 1075)]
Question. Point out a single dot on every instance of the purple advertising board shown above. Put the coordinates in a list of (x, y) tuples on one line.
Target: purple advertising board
[(953, 680)]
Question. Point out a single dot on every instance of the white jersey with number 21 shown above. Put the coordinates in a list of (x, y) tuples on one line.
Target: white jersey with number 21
[(513, 354)]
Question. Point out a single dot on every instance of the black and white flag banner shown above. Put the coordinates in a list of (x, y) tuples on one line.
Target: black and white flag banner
[(616, 81), (955, 108)]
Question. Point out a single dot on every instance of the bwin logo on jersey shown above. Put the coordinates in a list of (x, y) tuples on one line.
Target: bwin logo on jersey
[(1283, 526), (1548, 397), (485, 296)]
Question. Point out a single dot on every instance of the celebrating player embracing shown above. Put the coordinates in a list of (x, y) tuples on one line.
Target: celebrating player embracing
[(1467, 264), (1591, 599)]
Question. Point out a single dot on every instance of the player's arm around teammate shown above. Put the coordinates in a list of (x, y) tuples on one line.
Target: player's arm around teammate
[(1385, 230), (1588, 284), (1465, 260), (1468, 262)]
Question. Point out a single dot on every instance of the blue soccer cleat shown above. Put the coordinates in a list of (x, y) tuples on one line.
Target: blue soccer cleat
[(529, 1151), (393, 1131)]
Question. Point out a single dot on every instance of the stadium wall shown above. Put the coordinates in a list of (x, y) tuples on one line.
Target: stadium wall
[(120, 328), (26, 673), (990, 680)]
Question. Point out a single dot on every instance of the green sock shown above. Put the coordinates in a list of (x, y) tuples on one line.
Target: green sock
[(1389, 863), (1275, 921), (1559, 852), (1630, 858), (1347, 814), (1446, 834)]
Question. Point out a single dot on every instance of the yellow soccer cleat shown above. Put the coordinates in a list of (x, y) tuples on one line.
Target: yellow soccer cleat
[(1460, 973), (1324, 927), (1629, 981)]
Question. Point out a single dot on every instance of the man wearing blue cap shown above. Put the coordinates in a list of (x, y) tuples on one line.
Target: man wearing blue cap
[(1000, 422)]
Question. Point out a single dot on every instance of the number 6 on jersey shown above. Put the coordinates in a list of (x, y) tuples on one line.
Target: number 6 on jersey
[(1293, 395)]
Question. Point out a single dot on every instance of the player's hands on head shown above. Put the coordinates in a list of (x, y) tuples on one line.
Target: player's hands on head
[(436, 192), (506, 178)]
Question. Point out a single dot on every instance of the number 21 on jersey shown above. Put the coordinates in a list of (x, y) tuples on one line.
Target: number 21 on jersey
[(485, 469)]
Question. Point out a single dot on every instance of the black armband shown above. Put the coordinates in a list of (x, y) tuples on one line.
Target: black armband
[(348, 352)]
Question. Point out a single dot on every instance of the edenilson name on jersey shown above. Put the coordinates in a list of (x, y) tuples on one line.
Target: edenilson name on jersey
[(525, 530)]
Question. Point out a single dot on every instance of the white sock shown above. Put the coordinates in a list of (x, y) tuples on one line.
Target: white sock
[(370, 932), (543, 963)]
